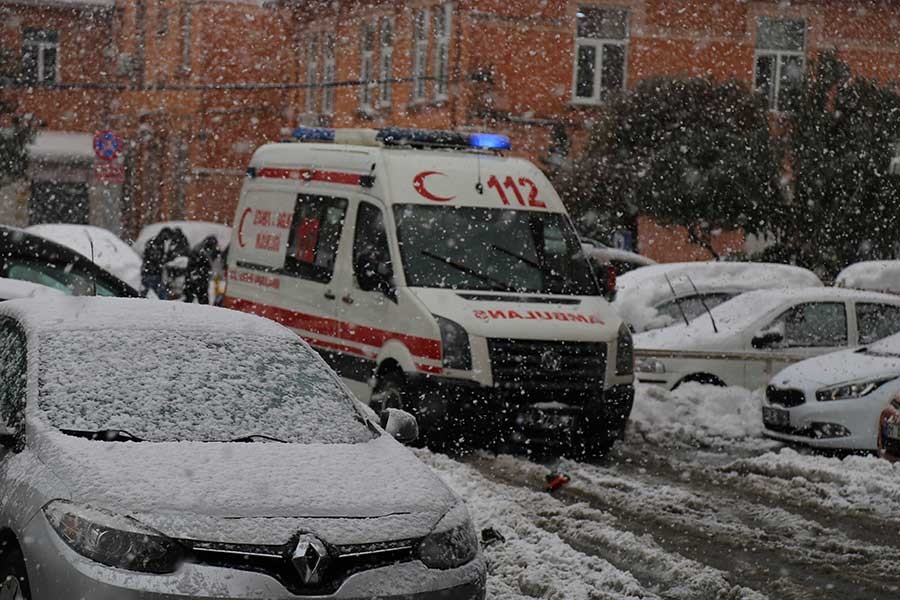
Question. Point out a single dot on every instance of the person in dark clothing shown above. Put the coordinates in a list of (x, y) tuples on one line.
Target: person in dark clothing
[(176, 246), (196, 280), (152, 265)]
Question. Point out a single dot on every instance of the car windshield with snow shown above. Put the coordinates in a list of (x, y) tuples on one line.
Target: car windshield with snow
[(209, 452)]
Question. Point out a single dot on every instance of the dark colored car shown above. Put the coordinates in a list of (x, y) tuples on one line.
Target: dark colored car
[(28, 257)]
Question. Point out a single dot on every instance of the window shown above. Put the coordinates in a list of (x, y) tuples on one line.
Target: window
[(67, 278), (876, 321), (370, 243), (442, 50), (12, 373), (780, 59), (186, 18), (328, 73), (812, 325), (40, 52), (312, 71), (367, 69), (315, 233), (692, 305), (420, 55), (386, 56), (600, 43)]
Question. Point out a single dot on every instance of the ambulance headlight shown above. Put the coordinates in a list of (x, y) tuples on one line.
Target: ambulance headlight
[(454, 345)]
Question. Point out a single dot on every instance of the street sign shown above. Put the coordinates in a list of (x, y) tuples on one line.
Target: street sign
[(108, 145), (109, 172)]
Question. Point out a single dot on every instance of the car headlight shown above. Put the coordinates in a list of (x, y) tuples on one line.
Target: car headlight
[(454, 345), (452, 542), (847, 391), (112, 539), (650, 365), (624, 352)]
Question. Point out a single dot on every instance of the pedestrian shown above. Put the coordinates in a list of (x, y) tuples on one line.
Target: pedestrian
[(200, 260), (152, 265)]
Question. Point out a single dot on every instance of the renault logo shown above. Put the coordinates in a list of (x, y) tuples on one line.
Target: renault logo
[(551, 361), (310, 559)]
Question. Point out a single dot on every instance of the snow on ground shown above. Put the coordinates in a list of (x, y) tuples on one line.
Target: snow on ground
[(561, 551), (698, 415), (853, 484)]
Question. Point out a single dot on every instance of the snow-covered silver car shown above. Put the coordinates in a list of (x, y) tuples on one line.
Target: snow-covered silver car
[(170, 451)]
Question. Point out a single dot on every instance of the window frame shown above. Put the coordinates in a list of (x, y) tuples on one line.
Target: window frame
[(859, 321), (421, 28), (781, 316), (312, 71), (329, 71), (40, 47), (779, 57), (309, 271), (443, 16), (386, 61), (367, 82), (357, 224), (598, 92)]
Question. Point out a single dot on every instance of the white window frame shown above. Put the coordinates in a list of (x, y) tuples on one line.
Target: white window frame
[(442, 52), (41, 47), (421, 26), (367, 83), (312, 71), (386, 61), (779, 56), (599, 55), (329, 70)]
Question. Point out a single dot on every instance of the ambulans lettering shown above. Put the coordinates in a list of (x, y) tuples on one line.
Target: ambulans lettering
[(270, 242), (268, 226), (541, 315), (254, 279)]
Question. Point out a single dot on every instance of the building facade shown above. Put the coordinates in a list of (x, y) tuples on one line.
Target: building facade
[(540, 70)]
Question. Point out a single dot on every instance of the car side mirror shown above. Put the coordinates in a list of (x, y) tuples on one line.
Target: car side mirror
[(400, 424), (765, 340)]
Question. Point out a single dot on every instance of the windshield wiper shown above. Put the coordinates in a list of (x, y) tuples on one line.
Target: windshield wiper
[(255, 437), (529, 262), (469, 271), (103, 435)]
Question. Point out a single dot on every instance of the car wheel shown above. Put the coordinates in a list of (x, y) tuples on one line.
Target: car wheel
[(13, 576)]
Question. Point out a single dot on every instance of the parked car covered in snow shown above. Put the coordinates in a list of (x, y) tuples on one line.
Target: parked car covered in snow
[(232, 464), (835, 400), (661, 295), (103, 247), (31, 258), (872, 275), (748, 339), (623, 261)]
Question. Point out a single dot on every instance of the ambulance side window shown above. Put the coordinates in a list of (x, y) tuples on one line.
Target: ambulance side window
[(315, 233), (371, 253)]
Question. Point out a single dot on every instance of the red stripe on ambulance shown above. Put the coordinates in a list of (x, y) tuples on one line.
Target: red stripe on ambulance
[(309, 175)]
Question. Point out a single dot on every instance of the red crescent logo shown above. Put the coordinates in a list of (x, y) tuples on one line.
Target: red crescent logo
[(247, 211), (419, 186)]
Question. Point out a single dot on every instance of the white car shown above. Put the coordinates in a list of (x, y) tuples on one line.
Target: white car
[(872, 275), (661, 295), (835, 400), (622, 260), (759, 333), (110, 252)]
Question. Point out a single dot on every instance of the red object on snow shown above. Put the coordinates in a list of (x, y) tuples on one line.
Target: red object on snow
[(554, 481)]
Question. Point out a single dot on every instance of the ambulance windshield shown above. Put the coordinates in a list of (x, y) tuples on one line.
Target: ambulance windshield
[(492, 249)]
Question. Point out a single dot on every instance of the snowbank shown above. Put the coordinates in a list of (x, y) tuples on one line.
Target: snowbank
[(696, 414), (641, 290), (873, 275)]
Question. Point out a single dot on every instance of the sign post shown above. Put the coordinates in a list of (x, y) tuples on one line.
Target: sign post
[(108, 145)]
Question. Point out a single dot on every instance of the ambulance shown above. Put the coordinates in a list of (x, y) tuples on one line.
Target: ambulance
[(437, 275)]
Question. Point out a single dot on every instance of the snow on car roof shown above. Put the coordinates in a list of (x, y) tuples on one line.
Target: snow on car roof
[(91, 312), (638, 292), (872, 275), (735, 315)]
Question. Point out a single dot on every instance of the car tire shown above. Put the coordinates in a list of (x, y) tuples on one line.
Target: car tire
[(13, 576)]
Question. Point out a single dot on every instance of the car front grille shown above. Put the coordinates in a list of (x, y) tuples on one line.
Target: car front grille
[(546, 366), (275, 561), (785, 397)]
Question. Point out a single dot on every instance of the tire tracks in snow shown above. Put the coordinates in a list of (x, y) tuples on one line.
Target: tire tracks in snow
[(561, 550), (770, 548)]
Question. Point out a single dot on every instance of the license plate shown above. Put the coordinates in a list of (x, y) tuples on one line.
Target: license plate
[(549, 420), (893, 431), (776, 416)]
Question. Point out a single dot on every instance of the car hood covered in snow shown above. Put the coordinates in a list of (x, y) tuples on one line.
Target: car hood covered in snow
[(880, 360), (253, 493)]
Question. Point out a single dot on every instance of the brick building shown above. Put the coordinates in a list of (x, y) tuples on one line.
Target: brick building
[(539, 69), (192, 86)]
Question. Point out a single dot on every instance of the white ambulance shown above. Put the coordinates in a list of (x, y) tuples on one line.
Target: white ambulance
[(436, 275)]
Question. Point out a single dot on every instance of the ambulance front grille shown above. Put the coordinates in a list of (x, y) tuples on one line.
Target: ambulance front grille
[(539, 365)]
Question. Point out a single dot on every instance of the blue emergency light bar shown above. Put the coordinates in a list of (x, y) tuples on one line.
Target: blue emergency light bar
[(398, 136)]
